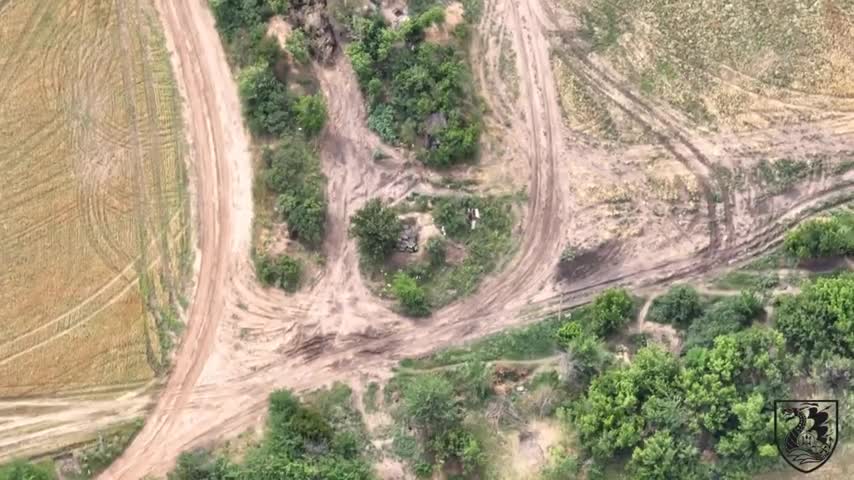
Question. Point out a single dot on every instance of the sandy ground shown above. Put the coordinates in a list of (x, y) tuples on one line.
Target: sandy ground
[(243, 341)]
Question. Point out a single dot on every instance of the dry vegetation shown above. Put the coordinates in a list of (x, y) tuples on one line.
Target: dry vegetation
[(93, 205), (724, 63)]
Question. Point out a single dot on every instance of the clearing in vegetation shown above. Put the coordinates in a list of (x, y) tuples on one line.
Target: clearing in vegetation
[(94, 223), (458, 240)]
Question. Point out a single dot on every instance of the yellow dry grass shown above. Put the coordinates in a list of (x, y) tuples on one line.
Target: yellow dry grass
[(93, 208)]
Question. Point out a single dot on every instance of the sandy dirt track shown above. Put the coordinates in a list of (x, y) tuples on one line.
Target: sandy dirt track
[(243, 341)]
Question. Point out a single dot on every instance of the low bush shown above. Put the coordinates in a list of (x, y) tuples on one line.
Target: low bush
[(310, 112), (725, 316), (292, 171), (297, 46), (412, 298), (610, 311), (437, 250), (283, 271), (679, 306), (267, 105), (822, 237)]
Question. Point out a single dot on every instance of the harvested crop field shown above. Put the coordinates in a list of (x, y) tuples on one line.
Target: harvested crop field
[(93, 205), (723, 64)]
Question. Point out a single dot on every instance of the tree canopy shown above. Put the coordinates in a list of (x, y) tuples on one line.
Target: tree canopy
[(376, 228)]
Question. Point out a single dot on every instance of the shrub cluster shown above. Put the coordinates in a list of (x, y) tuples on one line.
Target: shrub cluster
[(299, 443), (419, 93), (292, 171), (283, 271), (376, 228), (822, 237)]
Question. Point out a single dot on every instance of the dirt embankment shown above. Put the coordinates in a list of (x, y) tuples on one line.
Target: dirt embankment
[(243, 341)]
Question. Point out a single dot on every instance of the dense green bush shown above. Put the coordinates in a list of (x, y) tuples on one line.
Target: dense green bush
[(297, 46), (610, 311), (418, 92), (299, 443), (819, 322), (725, 316), (412, 298), (660, 408), (679, 306), (376, 228), (292, 170), (232, 16), (428, 403), (662, 457), (822, 237), (283, 271), (21, 470), (310, 111), (267, 105)]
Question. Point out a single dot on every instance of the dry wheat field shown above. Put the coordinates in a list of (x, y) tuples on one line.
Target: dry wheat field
[(93, 205)]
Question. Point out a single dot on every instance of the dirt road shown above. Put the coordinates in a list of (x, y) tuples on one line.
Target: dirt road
[(243, 341)]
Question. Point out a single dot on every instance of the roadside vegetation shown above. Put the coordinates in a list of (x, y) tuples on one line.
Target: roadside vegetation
[(825, 237), (83, 462), (462, 239), (318, 437), (419, 93), (626, 404), (291, 188)]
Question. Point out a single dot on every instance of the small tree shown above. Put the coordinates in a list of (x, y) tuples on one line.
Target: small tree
[(822, 237), (679, 306), (310, 111), (376, 228), (611, 310), (284, 272), (266, 103), (412, 298), (428, 402), (297, 46)]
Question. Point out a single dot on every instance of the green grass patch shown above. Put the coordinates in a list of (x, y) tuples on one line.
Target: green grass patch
[(526, 343), (22, 470), (747, 280)]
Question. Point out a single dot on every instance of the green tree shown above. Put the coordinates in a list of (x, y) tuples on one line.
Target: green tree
[(663, 457), (751, 442), (412, 297), (293, 171), (610, 311), (822, 237), (725, 316), (376, 228), (310, 113), (679, 306), (297, 46), (266, 103), (819, 322), (283, 271), (428, 402)]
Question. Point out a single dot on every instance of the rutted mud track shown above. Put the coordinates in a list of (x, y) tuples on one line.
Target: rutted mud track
[(244, 341)]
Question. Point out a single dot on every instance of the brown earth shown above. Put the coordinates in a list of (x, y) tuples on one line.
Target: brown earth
[(243, 341)]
